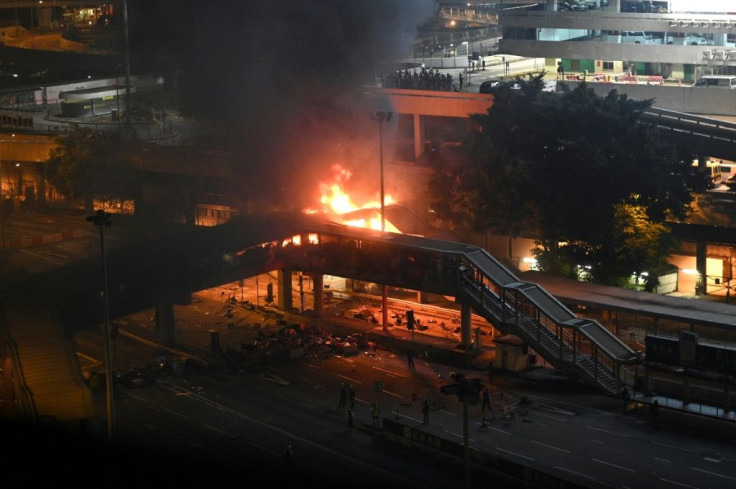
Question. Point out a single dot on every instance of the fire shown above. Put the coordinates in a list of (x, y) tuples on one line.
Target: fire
[(336, 201)]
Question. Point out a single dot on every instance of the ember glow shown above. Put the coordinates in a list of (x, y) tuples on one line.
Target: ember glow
[(336, 201)]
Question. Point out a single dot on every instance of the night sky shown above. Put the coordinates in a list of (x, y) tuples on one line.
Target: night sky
[(278, 78)]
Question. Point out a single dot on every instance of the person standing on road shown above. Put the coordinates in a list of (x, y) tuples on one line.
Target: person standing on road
[(375, 415), (288, 458), (425, 412), (486, 400), (410, 358), (343, 394), (351, 418), (460, 77), (351, 395)]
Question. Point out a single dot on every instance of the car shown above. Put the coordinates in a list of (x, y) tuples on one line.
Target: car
[(564, 7), (637, 37), (694, 40)]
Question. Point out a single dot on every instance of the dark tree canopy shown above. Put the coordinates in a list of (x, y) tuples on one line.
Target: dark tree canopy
[(577, 170), (88, 165)]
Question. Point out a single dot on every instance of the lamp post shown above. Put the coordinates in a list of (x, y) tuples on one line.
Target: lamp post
[(102, 219), (382, 116)]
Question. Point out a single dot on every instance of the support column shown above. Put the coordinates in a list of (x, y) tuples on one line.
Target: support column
[(686, 391), (422, 297), (418, 136), (165, 327), (648, 383), (701, 248), (726, 397), (285, 300), (466, 332), (318, 284)]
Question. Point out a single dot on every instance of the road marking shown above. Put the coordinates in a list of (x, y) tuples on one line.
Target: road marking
[(513, 453), (548, 416), (219, 431), (676, 447), (600, 442), (551, 446), (606, 431), (354, 381), (273, 378), (589, 477), (664, 460), (174, 413), (389, 372), (678, 483), (392, 394), (715, 473), (613, 465)]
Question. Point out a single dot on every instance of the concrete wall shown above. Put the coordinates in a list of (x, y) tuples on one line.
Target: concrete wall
[(691, 100)]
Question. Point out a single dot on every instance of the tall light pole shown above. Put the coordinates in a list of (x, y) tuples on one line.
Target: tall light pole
[(102, 219), (382, 116), (2, 203)]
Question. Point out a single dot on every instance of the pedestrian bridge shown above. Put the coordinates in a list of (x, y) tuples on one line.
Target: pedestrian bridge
[(158, 275)]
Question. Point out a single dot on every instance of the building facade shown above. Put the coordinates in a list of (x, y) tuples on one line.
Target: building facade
[(677, 41)]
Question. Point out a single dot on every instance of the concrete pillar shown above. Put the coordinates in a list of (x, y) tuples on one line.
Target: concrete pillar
[(318, 283), (165, 327), (466, 326), (726, 397), (686, 391), (285, 300), (418, 136), (648, 382), (701, 248), (422, 297)]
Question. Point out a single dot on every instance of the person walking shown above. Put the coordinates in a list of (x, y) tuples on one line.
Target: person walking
[(626, 397), (375, 415), (460, 77), (288, 458), (351, 396), (410, 358), (343, 394), (486, 403), (425, 412)]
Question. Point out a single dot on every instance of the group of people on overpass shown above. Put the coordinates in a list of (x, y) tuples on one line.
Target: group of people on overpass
[(425, 79)]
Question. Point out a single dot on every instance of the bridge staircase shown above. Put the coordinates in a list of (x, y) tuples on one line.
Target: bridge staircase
[(582, 348), (46, 374)]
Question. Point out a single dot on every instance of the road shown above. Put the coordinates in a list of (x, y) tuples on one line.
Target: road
[(249, 416)]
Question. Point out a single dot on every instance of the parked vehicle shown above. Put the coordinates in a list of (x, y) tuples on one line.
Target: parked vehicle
[(717, 81), (637, 37)]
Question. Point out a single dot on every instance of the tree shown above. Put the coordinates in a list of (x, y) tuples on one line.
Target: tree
[(88, 165), (582, 172)]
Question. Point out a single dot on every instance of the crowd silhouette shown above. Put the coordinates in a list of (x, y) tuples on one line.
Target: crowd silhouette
[(425, 79)]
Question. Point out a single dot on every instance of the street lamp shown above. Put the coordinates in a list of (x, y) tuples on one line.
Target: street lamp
[(102, 219), (382, 116)]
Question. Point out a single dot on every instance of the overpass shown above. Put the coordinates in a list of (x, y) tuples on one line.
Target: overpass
[(707, 136), (159, 275)]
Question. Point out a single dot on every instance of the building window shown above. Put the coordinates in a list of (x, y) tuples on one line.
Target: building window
[(608, 65)]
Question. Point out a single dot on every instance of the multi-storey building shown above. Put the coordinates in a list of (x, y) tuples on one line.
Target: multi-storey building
[(679, 40)]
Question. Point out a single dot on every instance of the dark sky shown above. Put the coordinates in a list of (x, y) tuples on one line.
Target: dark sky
[(281, 75)]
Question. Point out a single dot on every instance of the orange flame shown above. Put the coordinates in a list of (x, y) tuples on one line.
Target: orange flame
[(335, 200)]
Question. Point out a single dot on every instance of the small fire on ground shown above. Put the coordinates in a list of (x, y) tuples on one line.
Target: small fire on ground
[(351, 209)]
